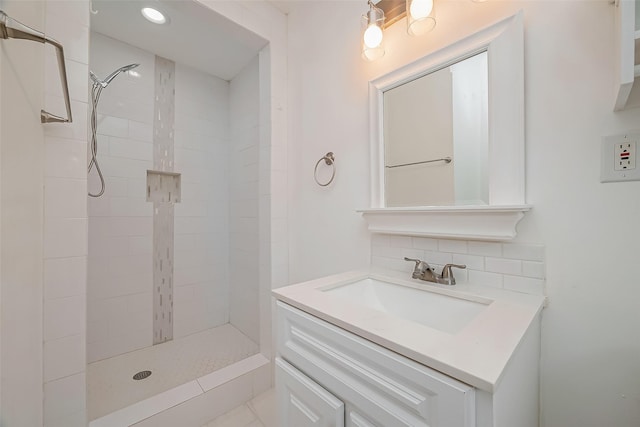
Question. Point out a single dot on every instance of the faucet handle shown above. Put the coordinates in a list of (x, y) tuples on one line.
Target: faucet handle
[(420, 269), (447, 274)]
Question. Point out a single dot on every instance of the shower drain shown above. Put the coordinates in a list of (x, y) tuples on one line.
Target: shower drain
[(142, 375)]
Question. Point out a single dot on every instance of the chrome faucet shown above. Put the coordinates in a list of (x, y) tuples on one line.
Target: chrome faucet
[(423, 271)]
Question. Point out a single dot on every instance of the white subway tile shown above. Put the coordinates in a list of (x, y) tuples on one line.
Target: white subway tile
[(139, 245), (71, 12), (99, 330), (64, 356), (473, 262), (64, 317), (64, 277), (129, 206), (113, 126), (400, 241), (484, 278), (74, 38), (425, 243), (77, 419), (439, 258), (65, 158), (524, 284), (461, 275), (413, 253), (64, 397), (130, 149), (76, 77), (456, 246), (64, 197), (76, 130), (97, 206), (492, 249), (502, 265), (533, 269), (380, 239), (523, 252), (140, 131), (65, 237)]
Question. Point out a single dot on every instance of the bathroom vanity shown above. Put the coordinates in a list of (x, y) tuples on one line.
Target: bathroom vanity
[(375, 349)]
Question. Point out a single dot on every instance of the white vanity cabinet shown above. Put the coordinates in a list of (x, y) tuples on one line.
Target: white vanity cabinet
[(327, 376), (378, 387)]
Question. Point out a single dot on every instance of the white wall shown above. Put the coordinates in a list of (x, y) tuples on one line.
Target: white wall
[(590, 370), (44, 221), (244, 201), (21, 226)]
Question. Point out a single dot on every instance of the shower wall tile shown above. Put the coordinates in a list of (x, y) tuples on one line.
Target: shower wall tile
[(120, 222), (76, 77), (64, 357), (65, 221), (244, 201), (201, 224), (65, 197), (201, 156), (64, 397), (65, 158)]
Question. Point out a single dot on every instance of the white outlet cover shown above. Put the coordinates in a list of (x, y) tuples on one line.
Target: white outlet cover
[(608, 172)]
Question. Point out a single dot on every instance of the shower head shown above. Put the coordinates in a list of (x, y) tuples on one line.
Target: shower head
[(107, 80)]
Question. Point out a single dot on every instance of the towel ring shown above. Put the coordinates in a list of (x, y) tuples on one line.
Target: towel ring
[(329, 159)]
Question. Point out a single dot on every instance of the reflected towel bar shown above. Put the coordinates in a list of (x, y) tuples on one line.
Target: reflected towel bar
[(12, 29), (444, 159)]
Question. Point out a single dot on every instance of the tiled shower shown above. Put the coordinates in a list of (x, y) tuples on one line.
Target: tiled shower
[(219, 180), (174, 239)]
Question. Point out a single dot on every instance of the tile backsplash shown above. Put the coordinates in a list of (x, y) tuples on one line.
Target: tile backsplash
[(515, 266)]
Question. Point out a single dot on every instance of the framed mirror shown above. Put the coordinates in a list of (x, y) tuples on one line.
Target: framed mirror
[(447, 136)]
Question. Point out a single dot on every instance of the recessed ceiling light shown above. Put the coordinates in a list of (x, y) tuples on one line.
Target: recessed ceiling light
[(153, 15)]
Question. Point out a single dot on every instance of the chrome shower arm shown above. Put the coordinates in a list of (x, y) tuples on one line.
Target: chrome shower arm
[(13, 29)]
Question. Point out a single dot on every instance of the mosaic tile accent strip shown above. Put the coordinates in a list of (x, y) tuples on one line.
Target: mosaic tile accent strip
[(161, 183)]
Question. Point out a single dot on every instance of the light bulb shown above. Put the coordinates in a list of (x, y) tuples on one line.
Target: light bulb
[(153, 15), (420, 8), (372, 36)]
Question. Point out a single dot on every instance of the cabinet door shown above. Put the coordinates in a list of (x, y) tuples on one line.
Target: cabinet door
[(302, 402), (388, 389)]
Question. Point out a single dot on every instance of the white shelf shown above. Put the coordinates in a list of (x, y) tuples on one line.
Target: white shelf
[(628, 40), (494, 223)]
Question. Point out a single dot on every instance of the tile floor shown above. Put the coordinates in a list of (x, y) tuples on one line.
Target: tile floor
[(258, 412), (110, 383)]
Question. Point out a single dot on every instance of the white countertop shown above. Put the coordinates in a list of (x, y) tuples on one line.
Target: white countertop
[(477, 355)]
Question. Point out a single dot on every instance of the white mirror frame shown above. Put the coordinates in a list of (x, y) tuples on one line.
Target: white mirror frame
[(504, 42)]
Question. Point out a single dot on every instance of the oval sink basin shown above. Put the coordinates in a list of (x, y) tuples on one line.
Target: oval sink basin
[(442, 312)]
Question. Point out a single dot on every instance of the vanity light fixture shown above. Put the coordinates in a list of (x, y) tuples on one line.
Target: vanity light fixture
[(420, 17), (372, 37), (420, 20), (153, 15)]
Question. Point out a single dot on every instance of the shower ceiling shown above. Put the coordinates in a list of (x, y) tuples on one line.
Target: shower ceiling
[(195, 36)]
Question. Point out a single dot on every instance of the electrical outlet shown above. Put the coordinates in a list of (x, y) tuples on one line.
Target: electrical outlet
[(619, 158), (624, 156)]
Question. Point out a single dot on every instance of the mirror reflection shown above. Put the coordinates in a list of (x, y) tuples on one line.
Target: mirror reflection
[(436, 137)]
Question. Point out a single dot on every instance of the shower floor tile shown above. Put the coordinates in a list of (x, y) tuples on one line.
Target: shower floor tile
[(111, 386)]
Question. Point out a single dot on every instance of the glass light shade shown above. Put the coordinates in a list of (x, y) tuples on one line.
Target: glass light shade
[(421, 17), (372, 37)]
